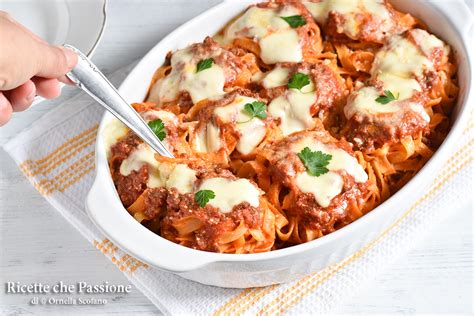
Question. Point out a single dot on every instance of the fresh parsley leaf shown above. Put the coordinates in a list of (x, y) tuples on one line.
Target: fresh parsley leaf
[(315, 161), (387, 97), (294, 21), (204, 64), (202, 197), (298, 81), (158, 128), (256, 109)]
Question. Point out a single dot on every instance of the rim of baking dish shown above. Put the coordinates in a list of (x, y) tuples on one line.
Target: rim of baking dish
[(176, 258)]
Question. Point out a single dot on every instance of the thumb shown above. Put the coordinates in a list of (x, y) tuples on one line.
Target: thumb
[(54, 61)]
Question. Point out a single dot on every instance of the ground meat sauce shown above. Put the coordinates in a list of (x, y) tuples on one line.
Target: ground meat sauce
[(213, 223), (373, 132), (309, 34), (172, 205), (234, 67), (205, 114), (128, 187), (329, 86), (178, 217), (229, 130), (132, 186), (370, 28), (155, 202), (284, 165), (122, 149), (336, 215), (231, 64)]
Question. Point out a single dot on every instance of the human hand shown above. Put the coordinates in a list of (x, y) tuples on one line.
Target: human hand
[(29, 66)]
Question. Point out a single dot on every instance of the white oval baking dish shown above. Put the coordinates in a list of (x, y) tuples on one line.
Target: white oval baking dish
[(448, 19)]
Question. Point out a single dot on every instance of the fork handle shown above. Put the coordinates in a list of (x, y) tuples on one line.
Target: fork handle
[(90, 79)]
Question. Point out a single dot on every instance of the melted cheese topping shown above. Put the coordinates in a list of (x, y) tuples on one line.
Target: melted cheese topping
[(294, 109), (143, 154), (350, 9), (341, 160), (113, 131), (177, 176), (183, 77), (276, 78), (165, 116), (278, 41), (363, 101), (396, 66), (401, 57), (282, 46), (205, 84), (324, 188), (327, 186), (428, 42), (165, 175), (404, 87), (182, 178), (230, 193), (252, 131), (208, 139)]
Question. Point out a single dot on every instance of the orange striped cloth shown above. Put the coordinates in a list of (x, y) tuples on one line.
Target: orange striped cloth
[(57, 155)]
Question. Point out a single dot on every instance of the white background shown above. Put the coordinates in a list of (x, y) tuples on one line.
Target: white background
[(38, 245)]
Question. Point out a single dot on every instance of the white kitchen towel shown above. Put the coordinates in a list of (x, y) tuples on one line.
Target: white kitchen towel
[(57, 156)]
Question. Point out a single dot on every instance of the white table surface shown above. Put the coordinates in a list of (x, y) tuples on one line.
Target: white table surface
[(38, 245)]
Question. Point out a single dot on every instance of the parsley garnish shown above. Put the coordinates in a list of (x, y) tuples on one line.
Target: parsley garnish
[(158, 128), (204, 64), (256, 109), (298, 81), (315, 161), (387, 97), (294, 21), (202, 197)]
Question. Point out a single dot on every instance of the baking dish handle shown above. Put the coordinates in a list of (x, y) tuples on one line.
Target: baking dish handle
[(109, 215)]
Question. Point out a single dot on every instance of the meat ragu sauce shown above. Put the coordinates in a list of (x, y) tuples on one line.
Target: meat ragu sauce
[(129, 187), (210, 227), (250, 33), (328, 84), (171, 207), (421, 63), (367, 21), (341, 193), (160, 193), (225, 130), (295, 120), (182, 87), (294, 110)]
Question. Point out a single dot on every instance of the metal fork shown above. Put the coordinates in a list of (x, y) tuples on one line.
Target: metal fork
[(90, 79)]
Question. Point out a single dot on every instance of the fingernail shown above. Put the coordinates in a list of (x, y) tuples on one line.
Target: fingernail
[(71, 57)]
